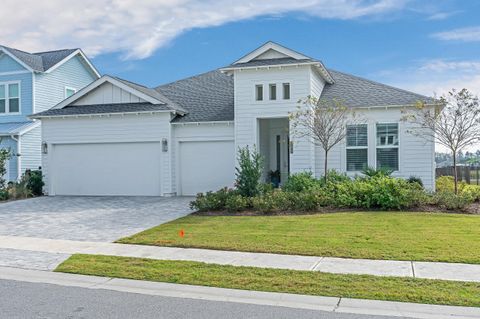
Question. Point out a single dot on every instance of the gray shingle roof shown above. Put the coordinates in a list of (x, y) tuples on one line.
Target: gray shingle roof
[(206, 97), (267, 62), (13, 128), (354, 91), (103, 109), (153, 93), (41, 61)]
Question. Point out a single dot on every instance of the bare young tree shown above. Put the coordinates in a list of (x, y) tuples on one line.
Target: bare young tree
[(455, 126), (324, 121)]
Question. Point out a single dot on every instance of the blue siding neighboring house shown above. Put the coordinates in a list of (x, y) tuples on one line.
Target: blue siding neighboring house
[(31, 83)]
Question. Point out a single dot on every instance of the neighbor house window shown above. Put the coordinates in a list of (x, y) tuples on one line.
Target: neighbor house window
[(69, 92), (387, 146), (259, 92), (273, 91), (357, 147), (9, 98), (286, 91)]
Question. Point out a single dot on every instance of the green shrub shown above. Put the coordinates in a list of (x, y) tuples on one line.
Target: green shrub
[(445, 184), (376, 172), (35, 182), (451, 201), (300, 182), (415, 179), (212, 201), (19, 190), (471, 191), (4, 194), (4, 157), (248, 172), (236, 203)]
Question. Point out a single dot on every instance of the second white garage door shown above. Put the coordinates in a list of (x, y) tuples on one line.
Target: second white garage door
[(131, 169), (206, 166)]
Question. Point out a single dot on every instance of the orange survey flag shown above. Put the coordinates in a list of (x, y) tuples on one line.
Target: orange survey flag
[(181, 233)]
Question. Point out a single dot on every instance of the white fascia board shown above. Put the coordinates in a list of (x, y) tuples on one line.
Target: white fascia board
[(100, 114), (79, 52), (206, 122), (100, 81), (273, 46), (16, 59), (35, 124)]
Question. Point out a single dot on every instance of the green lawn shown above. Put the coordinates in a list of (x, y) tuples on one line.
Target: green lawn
[(277, 280), (371, 235)]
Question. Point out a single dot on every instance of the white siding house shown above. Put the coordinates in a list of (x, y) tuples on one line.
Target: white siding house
[(115, 137)]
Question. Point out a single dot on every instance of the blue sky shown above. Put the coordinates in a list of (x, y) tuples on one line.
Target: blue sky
[(399, 48), (422, 45)]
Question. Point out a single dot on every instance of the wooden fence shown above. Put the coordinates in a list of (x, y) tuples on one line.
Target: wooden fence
[(467, 174)]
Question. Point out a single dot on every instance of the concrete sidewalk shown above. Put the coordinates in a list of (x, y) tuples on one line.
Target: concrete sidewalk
[(430, 270), (332, 304)]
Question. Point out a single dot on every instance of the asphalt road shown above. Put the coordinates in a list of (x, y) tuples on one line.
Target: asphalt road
[(35, 300)]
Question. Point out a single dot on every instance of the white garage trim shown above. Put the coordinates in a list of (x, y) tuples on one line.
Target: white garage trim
[(144, 184), (178, 156)]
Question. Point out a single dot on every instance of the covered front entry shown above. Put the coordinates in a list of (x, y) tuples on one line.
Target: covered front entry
[(274, 147)]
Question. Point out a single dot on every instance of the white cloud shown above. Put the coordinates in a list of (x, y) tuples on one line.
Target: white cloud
[(442, 15), (470, 34), (138, 27), (436, 77)]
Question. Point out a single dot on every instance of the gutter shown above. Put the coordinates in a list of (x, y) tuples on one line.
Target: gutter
[(99, 114)]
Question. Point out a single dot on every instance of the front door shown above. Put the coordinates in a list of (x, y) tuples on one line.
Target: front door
[(279, 159)]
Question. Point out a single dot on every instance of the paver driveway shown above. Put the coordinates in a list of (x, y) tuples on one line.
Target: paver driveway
[(88, 218), (80, 218)]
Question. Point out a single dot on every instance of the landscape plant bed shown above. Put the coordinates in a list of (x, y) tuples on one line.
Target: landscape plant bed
[(472, 209), (368, 235), (277, 280)]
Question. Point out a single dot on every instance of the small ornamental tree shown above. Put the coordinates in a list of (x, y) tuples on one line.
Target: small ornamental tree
[(324, 121), (4, 157), (455, 126), (248, 172)]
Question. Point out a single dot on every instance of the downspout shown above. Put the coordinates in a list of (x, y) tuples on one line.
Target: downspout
[(19, 166)]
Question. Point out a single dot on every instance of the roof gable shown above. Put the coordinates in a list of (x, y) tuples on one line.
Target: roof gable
[(46, 61), (10, 64), (271, 50)]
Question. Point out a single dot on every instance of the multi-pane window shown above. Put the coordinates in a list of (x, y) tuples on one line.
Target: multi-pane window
[(273, 91), (259, 92), (69, 92), (357, 147), (9, 98), (286, 91), (387, 146)]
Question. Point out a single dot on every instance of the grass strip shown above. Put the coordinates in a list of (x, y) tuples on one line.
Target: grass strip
[(276, 280)]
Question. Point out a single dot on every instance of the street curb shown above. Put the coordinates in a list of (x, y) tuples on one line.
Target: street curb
[(332, 304)]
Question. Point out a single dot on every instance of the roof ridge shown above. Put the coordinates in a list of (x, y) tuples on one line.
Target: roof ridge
[(10, 48), (71, 49), (131, 82), (378, 83)]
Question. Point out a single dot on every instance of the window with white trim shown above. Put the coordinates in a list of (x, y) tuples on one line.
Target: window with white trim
[(286, 91), (69, 92), (273, 91), (259, 92), (9, 98), (357, 147), (387, 146)]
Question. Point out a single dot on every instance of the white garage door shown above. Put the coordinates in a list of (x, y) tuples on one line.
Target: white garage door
[(206, 166), (131, 169)]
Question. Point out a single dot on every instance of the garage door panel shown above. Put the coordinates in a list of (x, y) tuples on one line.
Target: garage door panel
[(107, 169), (206, 166)]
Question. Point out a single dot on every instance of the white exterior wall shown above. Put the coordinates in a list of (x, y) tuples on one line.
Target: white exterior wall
[(221, 131), (30, 149), (108, 129), (416, 155), (107, 93), (248, 110)]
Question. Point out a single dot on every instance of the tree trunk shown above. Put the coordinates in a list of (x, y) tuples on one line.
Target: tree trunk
[(455, 176), (326, 166)]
